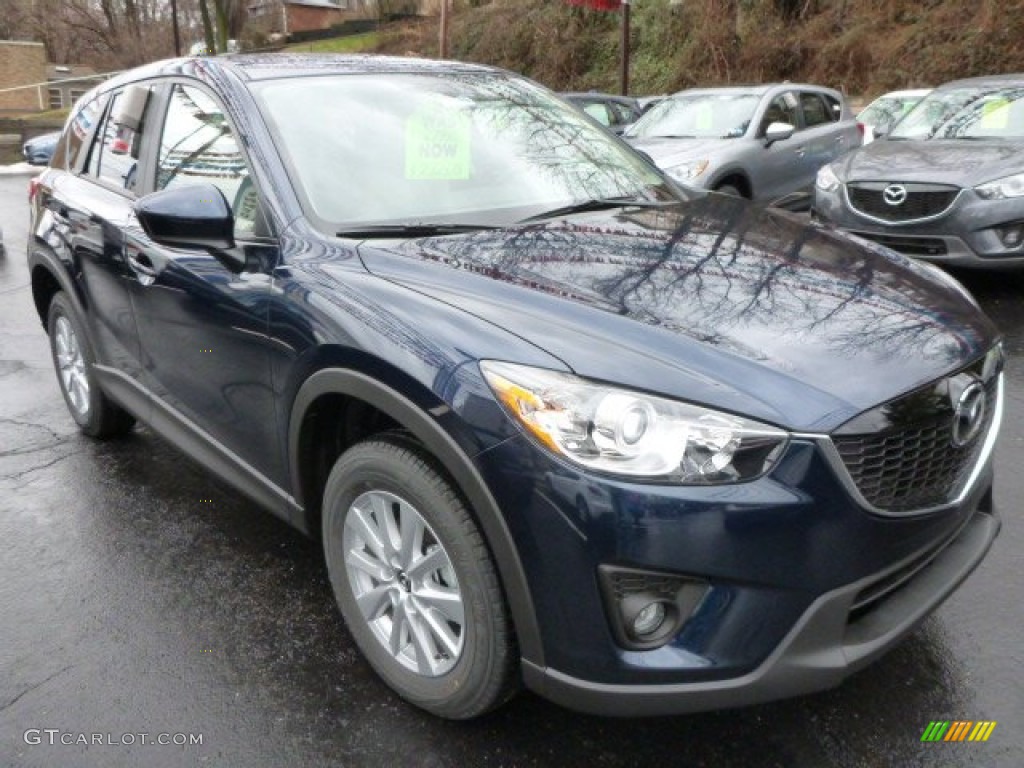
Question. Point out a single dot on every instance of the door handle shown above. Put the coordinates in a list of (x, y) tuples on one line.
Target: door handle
[(800, 151), (142, 267)]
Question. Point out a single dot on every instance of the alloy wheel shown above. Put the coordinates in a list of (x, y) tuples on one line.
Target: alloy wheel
[(71, 366), (404, 583)]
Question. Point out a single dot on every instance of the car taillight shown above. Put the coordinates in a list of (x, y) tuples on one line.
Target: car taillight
[(33, 188), (860, 128)]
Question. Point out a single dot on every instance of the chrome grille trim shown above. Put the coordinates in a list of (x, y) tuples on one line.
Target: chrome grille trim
[(901, 222)]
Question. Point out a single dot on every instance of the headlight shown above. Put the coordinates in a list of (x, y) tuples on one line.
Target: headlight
[(826, 180), (631, 433), (688, 171), (1001, 189)]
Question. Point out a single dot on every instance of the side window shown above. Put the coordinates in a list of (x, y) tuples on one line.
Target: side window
[(114, 157), (599, 112), (781, 110), (833, 107), (79, 128), (623, 115), (815, 112), (197, 145)]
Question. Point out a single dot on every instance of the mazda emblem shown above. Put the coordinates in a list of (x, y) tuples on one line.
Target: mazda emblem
[(969, 415), (894, 194)]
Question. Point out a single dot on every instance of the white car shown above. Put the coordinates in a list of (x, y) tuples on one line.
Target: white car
[(883, 113)]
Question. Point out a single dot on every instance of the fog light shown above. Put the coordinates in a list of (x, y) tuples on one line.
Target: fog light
[(1012, 236), (646, 609), (649, 620)]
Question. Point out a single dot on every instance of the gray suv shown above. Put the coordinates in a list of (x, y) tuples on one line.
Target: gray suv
[(946, 184), (763, 142)]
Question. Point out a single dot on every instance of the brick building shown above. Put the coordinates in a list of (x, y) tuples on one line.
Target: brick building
[(21, 63), (286, 17)]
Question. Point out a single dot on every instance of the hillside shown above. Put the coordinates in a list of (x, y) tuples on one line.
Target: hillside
[(860, 46)]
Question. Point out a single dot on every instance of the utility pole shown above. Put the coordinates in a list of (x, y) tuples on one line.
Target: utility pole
[(625, 48), (174, 23), (444, 30)]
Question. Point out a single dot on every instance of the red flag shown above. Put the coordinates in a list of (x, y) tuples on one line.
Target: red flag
[(598, 5)]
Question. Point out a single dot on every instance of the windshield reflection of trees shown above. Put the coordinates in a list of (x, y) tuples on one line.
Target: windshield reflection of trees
[(714, 267), (1000, 107)]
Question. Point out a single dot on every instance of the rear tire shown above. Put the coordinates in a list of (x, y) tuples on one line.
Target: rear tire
[(73, 360), (415, 581)]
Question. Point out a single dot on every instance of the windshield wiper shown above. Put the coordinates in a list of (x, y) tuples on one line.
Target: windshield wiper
[(411, 230), (599, 204)]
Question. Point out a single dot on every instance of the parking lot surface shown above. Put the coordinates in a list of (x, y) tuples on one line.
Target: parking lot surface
[(139, 596)]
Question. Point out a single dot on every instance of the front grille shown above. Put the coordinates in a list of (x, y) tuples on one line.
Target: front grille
[(911, 246), (908, 460), (921, 201)]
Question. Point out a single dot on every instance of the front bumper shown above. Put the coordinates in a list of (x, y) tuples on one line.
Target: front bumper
[(829, 642), (966, 235)]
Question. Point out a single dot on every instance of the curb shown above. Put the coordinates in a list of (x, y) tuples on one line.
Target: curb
[(20, 169)]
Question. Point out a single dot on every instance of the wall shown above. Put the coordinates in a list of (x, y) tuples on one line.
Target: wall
[(21, 63)]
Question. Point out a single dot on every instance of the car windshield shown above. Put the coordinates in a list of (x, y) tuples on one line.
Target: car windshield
[(887, 110), (977, 112), (701, 115), (417, 149)]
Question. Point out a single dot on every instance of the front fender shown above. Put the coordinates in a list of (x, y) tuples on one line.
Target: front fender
[(425, 427)]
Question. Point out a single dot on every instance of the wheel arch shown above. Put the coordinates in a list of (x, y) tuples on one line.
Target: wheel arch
[(736, 178), (334, 386)]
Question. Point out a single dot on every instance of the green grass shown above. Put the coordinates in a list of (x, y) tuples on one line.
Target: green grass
[(348, 44)]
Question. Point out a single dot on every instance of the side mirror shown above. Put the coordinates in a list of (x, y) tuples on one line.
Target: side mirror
[(194, 217), (882, 128), (778, 132)]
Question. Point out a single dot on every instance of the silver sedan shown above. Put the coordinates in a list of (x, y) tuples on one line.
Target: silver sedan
[(761, 142)]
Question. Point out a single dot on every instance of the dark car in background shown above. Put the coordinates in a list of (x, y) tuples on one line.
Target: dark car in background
[(39, 150), (946, 184), (616, 113), (760, 142), (557, 421)]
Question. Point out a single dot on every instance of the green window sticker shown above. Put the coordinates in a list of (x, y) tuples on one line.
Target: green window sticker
[(994, 114), (437, 144)]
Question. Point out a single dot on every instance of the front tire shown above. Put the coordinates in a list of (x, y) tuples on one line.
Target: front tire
[(415, 581), (73, 360)]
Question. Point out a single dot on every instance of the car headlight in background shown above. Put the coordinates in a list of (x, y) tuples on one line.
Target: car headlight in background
[(688, 171), (826, 180), (1001, 189), (631, 433)]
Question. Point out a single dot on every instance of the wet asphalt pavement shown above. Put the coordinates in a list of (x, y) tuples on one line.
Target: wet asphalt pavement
[(139, 596)]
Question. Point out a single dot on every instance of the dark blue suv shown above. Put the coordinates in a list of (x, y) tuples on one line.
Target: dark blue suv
[(558, 422)]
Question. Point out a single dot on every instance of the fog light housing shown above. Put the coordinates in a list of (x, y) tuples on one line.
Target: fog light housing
[(646, 609)]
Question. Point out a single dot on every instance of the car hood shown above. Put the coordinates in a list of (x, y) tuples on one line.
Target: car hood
[(670, 152), (945, 161), (715, 301)]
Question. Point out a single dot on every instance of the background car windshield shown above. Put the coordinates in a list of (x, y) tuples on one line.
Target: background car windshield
[(887, 110), (421, 149), (698, 115), (966, 113)]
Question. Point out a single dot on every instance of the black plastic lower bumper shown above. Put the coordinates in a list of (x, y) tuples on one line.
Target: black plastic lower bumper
[(828, 643)]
